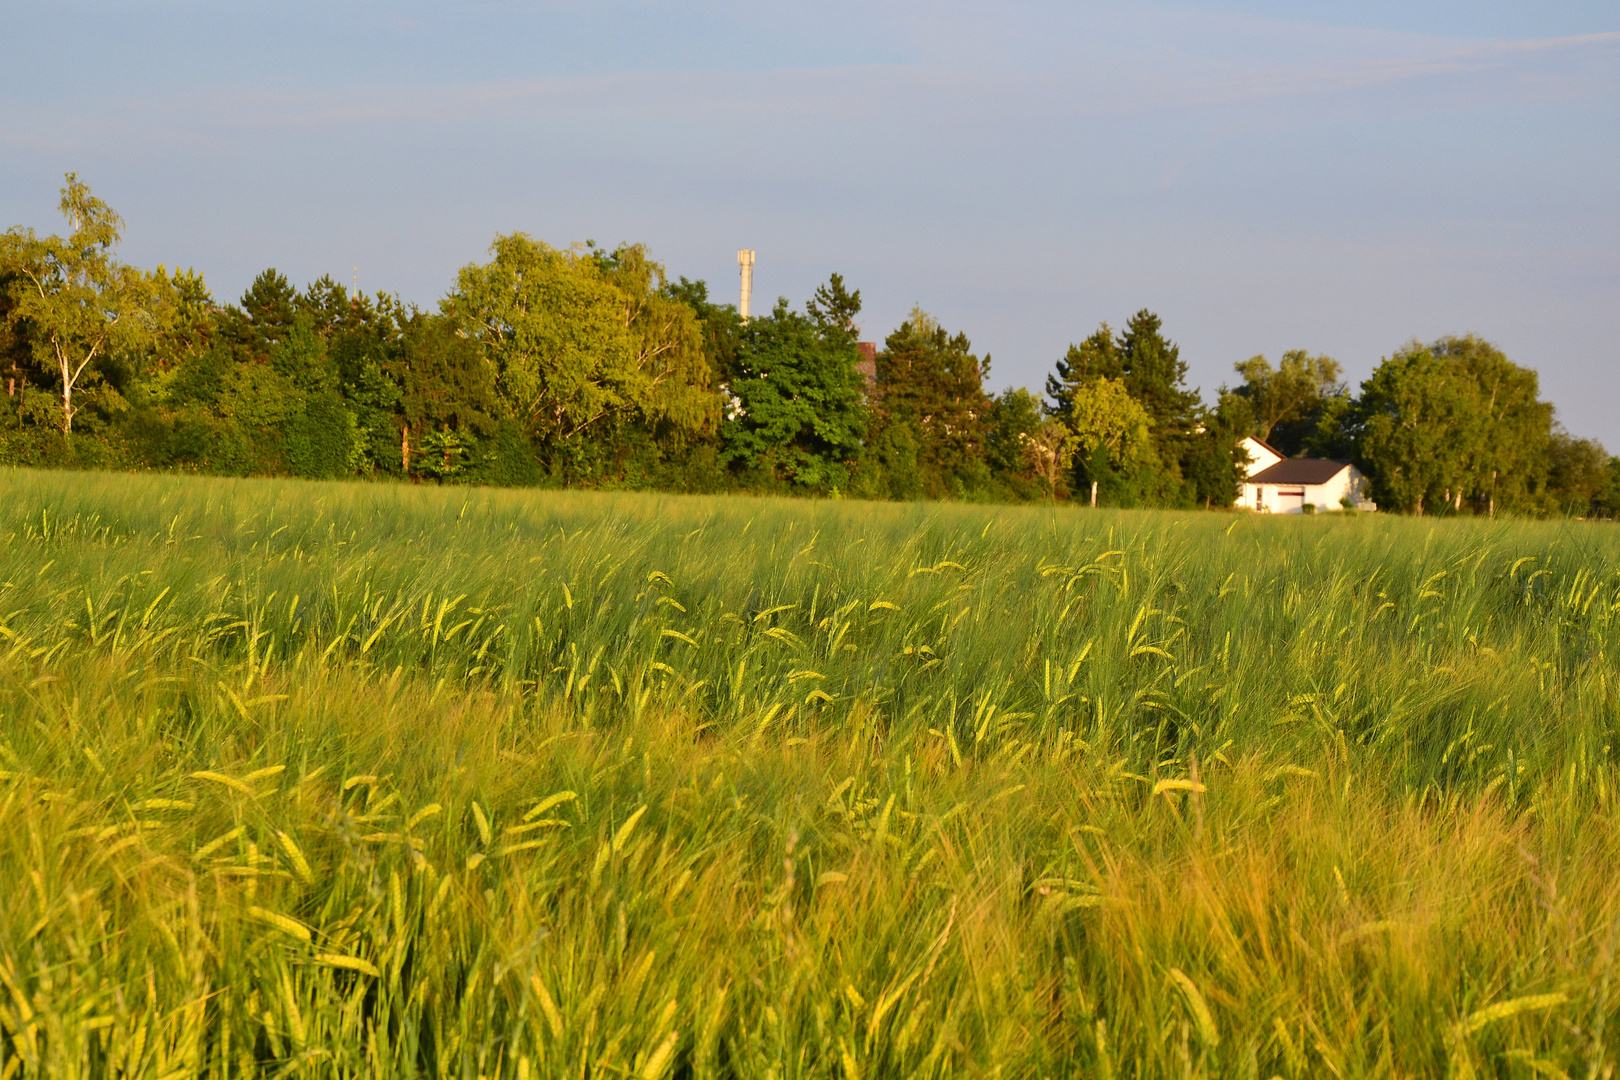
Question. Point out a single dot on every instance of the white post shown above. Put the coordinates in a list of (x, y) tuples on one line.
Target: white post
[(1094, 494), (745, 263)]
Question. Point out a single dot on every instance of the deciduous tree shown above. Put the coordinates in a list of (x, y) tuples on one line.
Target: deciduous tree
[(1013, 416), (1505, 436), (1047, 453), (799, 414), (1452, 424), (1283, 402), (576, 338), (1104, 416), (1578, 475), (80, 305)]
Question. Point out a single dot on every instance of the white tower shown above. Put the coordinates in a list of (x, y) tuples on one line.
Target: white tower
[(745, 263)]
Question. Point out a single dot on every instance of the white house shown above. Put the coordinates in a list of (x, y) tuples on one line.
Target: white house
[(1283, 485)]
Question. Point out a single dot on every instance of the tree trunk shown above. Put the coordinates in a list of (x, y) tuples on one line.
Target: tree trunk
[(68, 377), (405, 450)]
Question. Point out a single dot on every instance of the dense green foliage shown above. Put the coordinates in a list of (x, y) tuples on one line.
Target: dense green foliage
[(83, 311), (931, 411), (1451, 423), (1146, 440), (1283, 405), (587, 367), (798, 412), (343, 780)]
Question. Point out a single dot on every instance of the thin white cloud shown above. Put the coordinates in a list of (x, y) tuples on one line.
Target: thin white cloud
[(964, 94), (1373, 71)]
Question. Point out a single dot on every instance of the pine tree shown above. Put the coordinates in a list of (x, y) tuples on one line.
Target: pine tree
[(833, 308), (266, 316), (1150, 368), (1156, 375), (1095, 358), (930, 382)]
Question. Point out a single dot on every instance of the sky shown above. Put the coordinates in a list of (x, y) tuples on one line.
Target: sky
[(1265, 175)]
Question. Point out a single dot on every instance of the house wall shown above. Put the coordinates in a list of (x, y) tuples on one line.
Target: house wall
[(1326, 496), (1350, 484), (1268, 498), (1260, 459)]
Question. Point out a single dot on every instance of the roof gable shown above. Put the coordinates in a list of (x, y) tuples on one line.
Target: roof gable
[(1265, 446), (1262, 455)]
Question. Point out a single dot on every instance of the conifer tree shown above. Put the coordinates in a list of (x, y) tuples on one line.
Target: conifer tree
[(1156, 375), (930, 391)]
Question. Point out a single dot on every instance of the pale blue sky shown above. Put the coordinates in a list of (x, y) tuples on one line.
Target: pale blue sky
[(1266, 175)]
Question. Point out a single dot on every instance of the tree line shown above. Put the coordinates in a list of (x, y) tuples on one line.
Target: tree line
[(591, 367)]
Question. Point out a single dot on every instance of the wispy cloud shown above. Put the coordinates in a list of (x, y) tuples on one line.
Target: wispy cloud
[(1358, 72), (1086, 85)]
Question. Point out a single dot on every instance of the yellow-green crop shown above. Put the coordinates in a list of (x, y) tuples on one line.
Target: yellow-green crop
[(349, 780)]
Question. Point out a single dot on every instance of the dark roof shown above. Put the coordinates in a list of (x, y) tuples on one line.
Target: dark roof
[(1299, 471)]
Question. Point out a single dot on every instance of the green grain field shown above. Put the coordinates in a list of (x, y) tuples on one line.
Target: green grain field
[(321, 780)]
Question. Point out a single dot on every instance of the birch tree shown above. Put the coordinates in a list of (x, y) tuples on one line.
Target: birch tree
[(73, 300)]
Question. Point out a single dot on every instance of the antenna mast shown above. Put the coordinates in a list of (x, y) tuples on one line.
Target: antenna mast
[(745, 263)]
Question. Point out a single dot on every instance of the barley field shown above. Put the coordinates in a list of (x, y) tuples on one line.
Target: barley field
[(322, 780)]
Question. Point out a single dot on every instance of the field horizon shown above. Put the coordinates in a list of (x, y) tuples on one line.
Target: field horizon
[(338, 779)]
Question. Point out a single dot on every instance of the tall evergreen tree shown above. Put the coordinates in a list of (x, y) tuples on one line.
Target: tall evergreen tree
[(930, 393), (1097, 357), (1156, 375), (1186, 462), (833, 309), (264, 317)]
